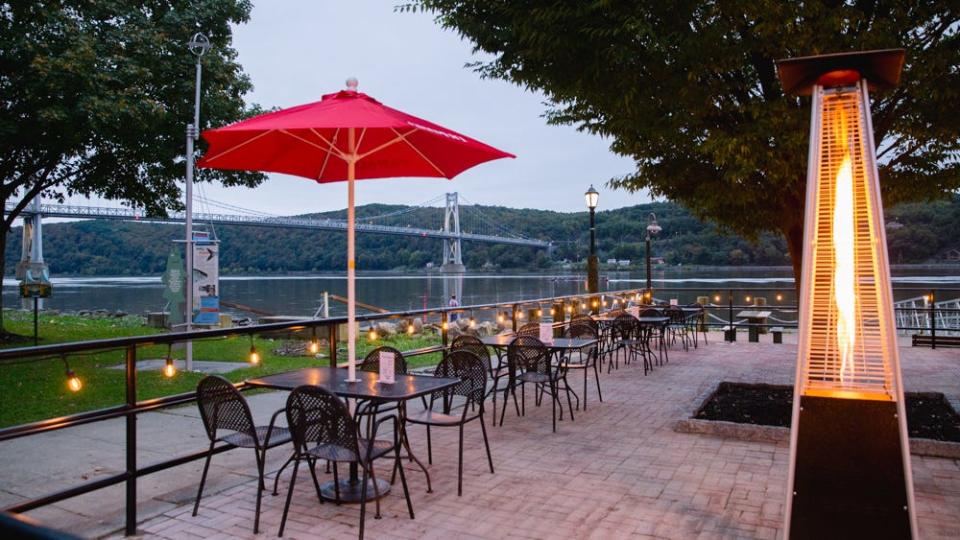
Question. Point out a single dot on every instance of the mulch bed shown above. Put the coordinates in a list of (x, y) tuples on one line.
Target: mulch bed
[(929, 414)]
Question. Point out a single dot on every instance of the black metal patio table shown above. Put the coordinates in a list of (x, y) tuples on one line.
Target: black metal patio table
[(367, 387)]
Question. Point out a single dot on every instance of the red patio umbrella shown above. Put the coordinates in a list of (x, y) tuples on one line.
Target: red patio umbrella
[(348, 136)]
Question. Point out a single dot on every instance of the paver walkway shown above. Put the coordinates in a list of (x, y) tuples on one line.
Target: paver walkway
[(618, 471)]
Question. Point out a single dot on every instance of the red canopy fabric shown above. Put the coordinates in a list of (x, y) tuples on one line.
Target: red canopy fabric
[(311, 141)]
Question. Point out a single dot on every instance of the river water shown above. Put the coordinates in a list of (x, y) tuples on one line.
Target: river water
[(301, 295)]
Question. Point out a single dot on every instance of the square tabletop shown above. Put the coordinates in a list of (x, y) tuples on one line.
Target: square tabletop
[(504, 340), (754, 314), (653, 320), (335, 380)]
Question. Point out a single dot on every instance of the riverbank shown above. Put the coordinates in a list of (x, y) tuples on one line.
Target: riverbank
[(37, 389)]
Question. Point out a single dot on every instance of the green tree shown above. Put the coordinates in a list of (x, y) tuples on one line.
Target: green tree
[(689, 90), (96, 97)]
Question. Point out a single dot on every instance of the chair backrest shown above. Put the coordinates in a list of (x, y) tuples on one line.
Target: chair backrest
[(583, 331), (223, 407), (675, 313), (372, 361), (625, 326), (470, 369), (527, 353), (529, 329), (651, 312), (316, 416), (474, 345)]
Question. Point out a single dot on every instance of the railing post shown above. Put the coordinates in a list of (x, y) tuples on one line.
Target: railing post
[(131, 518), (444, 325), (933, 319), (732, 330), (332, 344), (513, 317)]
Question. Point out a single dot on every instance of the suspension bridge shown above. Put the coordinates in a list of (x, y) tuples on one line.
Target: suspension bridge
[(454, 225)]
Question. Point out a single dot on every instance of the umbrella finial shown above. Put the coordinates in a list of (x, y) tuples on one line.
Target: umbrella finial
[(352, 83)]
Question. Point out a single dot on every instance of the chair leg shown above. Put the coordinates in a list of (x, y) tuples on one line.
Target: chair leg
[(403, 481), (276, 479), (596, 376), (286, 506), (336, 484), (506, 399), (203, 479), (486, 443), (313, 473), (460, 465), (260, 488), (553, 403), (429, 448), (569, 402), (584, 390), (363, 500), (376, 490)]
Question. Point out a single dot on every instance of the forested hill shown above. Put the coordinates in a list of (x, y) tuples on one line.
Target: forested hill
[(926, 233)]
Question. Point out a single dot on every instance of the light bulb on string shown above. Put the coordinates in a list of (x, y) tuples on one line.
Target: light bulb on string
[(253, 357), (74, 384), (314, 346), (169, 368)]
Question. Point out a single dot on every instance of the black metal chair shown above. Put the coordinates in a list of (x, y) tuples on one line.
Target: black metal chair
[(661, 331), (677, 325), (585, 359), (697, 321), (222, 407), (529, 362), (323, 428), (530, 329), (497, 372), (371, 363), (472, 372)]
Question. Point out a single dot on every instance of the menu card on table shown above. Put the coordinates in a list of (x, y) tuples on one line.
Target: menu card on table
[(546, 332), (387, 360), (673, 302)]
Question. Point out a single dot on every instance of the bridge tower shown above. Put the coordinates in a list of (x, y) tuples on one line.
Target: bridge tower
[(31, 266), (452, 247)]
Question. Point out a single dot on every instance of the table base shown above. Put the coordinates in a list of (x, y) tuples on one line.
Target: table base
[(350, 491)]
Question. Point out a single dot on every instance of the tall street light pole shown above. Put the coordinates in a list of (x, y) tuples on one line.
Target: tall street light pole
[(593, 280), (653, 228), (198, 45)]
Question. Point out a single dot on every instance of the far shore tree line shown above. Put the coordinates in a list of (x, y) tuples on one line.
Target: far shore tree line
[(96, 96), (918, 233)]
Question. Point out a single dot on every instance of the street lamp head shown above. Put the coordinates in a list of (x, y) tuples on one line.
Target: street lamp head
[(199, 45), (653, 227), (592, 197)]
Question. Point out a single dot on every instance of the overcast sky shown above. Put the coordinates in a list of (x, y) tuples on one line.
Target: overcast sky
[(297, 50)]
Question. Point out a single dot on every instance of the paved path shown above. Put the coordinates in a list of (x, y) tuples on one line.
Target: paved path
[(618, 471)]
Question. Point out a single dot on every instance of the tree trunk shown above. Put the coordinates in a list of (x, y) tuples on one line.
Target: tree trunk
[(3, 266), (794, 235)]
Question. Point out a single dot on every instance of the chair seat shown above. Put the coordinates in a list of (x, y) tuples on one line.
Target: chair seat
[(334, 452), (532, 377), (278, 436), (434, 418)]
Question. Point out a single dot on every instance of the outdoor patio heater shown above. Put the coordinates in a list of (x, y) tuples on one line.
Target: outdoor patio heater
[(849, 455)]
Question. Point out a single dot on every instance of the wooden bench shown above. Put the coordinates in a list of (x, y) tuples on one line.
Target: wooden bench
[(924, 340)]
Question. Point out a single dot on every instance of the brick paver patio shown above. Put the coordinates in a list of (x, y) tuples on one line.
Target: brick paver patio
[(618, 471)]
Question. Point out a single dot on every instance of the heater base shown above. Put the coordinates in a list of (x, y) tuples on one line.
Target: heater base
[(849, 476)]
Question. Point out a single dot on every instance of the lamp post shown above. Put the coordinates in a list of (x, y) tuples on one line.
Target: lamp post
[(653, 228), (593, 280), (198, 45)]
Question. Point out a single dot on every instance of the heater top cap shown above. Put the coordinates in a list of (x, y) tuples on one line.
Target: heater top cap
[(880, 68)]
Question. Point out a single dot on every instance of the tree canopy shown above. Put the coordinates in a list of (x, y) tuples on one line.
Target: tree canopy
[(689, 90), (95, 97)]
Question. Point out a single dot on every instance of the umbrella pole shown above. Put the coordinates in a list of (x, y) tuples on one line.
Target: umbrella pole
[(351, 261)]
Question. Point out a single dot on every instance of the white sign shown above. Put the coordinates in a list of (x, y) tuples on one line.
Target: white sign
[(673, 302), (206, 282), (546, 332), (387, 360)]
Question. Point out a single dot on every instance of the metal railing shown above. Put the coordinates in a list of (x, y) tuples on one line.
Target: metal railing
[(132, 407)]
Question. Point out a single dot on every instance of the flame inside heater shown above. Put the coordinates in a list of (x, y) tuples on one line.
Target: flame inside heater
[(843, 247)]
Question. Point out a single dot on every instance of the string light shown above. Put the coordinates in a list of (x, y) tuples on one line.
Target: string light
[(254, 356), (444, 325), (779, 297), (169, 368), (314, 346), (716, 298), (473, 322), (569, 309), (373, 334), (410, 328), (594, 303), (551, 311), (748, 298), (500, 318), (519, 314), (74, 384), (539, 313)]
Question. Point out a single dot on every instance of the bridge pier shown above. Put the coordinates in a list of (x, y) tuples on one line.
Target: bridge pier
[(31, 266), (452, 247)]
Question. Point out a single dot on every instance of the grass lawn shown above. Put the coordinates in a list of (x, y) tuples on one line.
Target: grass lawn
[(37, 390)]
